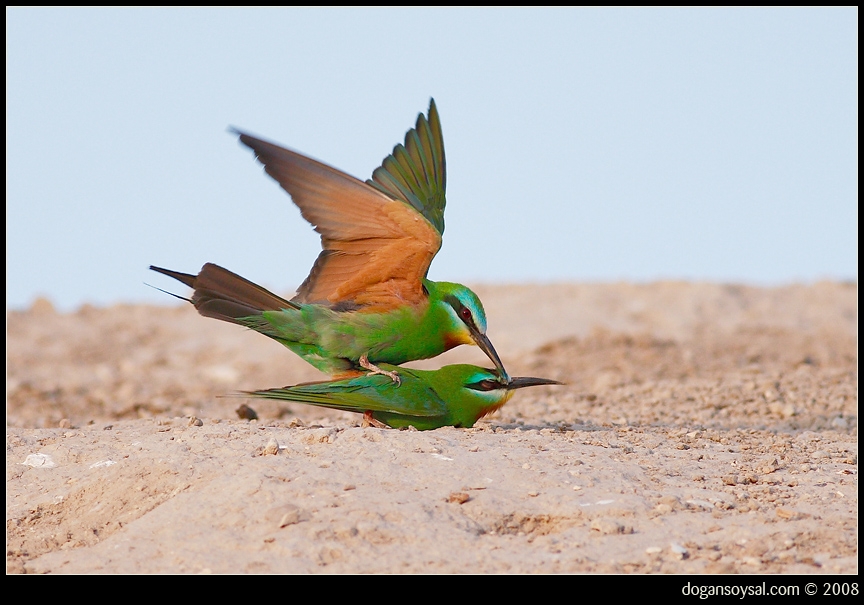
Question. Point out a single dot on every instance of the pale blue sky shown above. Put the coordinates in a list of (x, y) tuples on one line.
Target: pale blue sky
[(601, 145)]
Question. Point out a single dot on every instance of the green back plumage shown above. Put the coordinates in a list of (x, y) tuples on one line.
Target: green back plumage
[(416, 172)]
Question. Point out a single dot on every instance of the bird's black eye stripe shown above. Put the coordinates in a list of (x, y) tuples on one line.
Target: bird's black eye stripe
[(462, 312), (485, 385)]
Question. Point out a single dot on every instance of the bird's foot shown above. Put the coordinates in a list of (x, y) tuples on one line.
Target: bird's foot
[(373, 369), (368, 421)]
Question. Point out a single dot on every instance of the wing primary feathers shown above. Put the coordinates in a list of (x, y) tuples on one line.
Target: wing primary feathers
[(416, 171)]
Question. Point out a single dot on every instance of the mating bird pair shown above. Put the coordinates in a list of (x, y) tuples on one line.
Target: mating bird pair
[(366, 306)]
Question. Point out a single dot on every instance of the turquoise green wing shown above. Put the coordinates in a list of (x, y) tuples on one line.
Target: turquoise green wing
[(416, 172), (370, 392)]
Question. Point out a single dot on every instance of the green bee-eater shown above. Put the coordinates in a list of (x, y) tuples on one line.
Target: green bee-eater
[(367, 300), (456, 395)]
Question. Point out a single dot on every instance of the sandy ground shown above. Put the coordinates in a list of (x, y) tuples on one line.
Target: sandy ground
[(704, 428)]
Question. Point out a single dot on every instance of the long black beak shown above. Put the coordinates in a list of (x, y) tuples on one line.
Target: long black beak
[(527, 381), (486, 346)]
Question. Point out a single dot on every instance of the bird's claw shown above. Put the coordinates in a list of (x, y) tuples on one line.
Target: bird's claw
[(368, 421), (373, 369)]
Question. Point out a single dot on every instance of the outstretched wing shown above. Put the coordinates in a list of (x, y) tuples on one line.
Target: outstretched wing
[(377, 247)]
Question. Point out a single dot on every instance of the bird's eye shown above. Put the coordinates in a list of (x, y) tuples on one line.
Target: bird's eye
[(465, 314), (486, 385)]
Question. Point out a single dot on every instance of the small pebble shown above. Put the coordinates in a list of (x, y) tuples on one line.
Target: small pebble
[(458, 497), (244, 412), (785, 513), (608, 527), (289, 518), (272, 448), (39, 461), (679, 551)]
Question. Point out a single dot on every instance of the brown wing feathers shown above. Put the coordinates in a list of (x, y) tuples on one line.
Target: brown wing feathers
[(376, 250)]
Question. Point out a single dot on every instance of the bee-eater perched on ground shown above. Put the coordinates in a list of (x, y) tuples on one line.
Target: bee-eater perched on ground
[(455, 395), (367, 300)]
